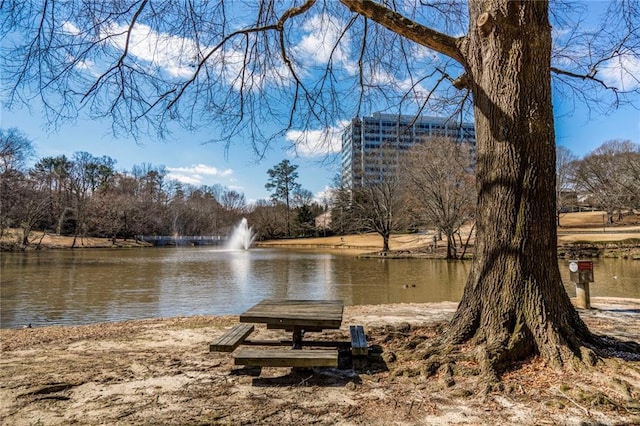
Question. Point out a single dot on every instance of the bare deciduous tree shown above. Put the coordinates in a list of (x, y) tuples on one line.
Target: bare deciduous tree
[(234, 201), (267, 220), (604, 177), (15, 150), (630, 171), (441, 184), (380, 207), (565, 181), (242, 72)]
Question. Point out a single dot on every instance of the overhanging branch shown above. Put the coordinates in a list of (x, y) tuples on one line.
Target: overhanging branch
[(407, 28), (591, 76), (125, 51)]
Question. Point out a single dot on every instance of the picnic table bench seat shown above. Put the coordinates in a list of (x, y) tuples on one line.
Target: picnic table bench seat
[(286, 358), (233, 338)]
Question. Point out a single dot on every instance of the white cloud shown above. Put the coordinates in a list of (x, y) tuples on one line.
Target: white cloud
[(173, 54), (560, 32), (86, 65), (201, 169), (178, 55), (197, 174), (314, 143), (186, 179), (276, 73), (623, 72), (323, 31), (326, 195), (70, 28), (322, 35), (236, 188)]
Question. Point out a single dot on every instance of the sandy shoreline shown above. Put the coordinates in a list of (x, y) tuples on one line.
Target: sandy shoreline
[(579, 229), (159, 371)]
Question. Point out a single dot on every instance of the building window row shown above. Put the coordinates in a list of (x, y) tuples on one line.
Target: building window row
[(371, 141)]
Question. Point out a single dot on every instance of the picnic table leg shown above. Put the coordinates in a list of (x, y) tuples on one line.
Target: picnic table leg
[(298, 333)]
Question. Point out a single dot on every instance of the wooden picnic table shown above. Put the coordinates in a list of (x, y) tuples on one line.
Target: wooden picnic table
[(297, 316)]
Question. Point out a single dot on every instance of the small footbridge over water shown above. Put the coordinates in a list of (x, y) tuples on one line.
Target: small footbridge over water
[(240, 239), (193, 240)]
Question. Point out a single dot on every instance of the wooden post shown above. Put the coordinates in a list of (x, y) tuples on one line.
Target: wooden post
[(581, 273), (298, 334), (583, 299)]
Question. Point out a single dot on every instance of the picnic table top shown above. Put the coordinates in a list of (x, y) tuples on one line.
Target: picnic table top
[(286, 314)]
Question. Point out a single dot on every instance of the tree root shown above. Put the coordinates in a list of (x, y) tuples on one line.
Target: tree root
[(445, 372), (446, 360), (610, 347), (446, 357)]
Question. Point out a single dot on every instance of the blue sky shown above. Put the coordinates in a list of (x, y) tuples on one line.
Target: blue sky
[(190, 159), (582, 132), (187, 156)]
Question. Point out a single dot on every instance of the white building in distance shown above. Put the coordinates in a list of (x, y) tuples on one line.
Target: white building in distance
[(371, 146)]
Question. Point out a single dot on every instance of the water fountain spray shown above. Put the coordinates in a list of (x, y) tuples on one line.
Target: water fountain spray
[(241, 237)]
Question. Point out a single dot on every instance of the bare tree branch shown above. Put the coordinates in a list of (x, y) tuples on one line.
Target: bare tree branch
[(590, 76), (408, 28)]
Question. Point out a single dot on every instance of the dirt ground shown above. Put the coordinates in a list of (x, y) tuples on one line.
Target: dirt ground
[(160, 371), (576, 227)]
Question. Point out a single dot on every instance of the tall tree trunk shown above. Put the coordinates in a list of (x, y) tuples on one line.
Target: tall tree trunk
[(385, 242), (514, 303), (26, 230), (451, 245), (466, 243)]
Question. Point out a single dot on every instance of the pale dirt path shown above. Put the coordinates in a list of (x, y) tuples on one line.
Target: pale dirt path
[(160, 372)]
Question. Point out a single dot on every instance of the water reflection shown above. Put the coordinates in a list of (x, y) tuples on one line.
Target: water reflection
[(86, 286), (612, 278)]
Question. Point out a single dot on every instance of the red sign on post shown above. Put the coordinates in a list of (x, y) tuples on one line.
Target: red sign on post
[(585, 265), (581, 271)]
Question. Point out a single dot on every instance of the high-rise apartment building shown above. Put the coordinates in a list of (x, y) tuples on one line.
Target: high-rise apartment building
[(372, 146)]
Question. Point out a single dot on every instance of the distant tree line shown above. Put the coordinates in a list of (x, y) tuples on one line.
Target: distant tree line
[(86, 196), (607, 179), (434, 188)]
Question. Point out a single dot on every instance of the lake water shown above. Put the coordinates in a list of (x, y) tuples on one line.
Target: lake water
[(88, 286)]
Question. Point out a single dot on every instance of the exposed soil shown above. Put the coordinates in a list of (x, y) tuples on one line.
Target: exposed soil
[(582, 235), (160, 372), (11, 240)]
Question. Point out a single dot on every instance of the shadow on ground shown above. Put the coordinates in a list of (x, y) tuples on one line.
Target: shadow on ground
[(348, 371)]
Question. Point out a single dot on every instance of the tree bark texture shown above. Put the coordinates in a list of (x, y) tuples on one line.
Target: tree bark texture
[(514, 303)]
